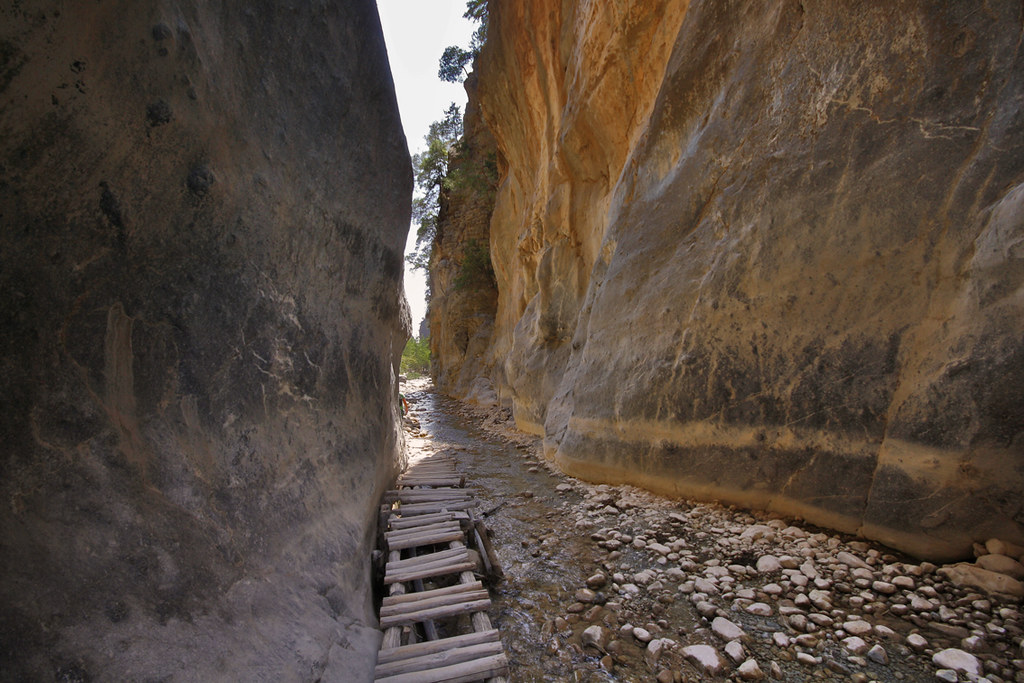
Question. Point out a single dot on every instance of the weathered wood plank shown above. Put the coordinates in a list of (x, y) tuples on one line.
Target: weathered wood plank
[(396, 522), (409, 509), (431, 603), (417, 616), (427, 538), (407, 651), (465, 672), (438, 660), (447, 590), (429, 572), (437, 526), (427, 558)]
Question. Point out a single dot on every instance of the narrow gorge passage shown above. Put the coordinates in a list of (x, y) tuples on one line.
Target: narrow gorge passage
[(610, 583)]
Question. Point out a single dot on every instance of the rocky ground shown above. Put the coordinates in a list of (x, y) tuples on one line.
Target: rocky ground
[(684, 591)]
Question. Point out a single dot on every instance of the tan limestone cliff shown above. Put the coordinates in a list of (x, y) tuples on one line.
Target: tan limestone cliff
[(769, 253), (463, 295)]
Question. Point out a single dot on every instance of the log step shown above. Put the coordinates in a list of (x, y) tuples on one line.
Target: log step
[(395, 654), (449, 525), (434, 608), (409, 509), (425, 480), (436, 660), (420, 520), (465, 672), (426, 495), (447, 590), (428, 572), (425, 538), (456, 554)]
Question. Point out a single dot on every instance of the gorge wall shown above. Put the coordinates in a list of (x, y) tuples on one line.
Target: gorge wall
[(770, 253), (204, 208)]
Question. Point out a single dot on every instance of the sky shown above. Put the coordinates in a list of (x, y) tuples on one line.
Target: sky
[(416, 33)]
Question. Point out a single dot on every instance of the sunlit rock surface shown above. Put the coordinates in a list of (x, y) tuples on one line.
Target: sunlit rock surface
[(203, 209), (769, 253)]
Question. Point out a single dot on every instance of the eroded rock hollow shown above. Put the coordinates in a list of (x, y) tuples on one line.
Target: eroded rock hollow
[(768, 253), (203, 211)]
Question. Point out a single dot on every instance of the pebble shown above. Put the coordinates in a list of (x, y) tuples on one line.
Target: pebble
[(596, 636), (642, 634), (958, 660), (705, 657), (597, 581), (726, 630), (750, 671), (857, 628), (878, 654), (768, 564), (856, 645)]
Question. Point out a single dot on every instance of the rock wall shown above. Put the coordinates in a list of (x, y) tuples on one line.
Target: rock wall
[(769, 253), (203, 208), (463, 294)]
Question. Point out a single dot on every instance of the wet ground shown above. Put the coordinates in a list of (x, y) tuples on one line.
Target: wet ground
[(647, 610)]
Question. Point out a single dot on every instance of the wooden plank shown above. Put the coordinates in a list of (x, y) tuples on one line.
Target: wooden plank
[(447, 590), (393, 636), (427, 558), (429, 508), (487, 550), (441, 612), (419, 520), (437, 660), (431, 603), (407, 651), (430, 572), (436, 480), (427, 538), (425, 495), (465, 672), (426, 528)]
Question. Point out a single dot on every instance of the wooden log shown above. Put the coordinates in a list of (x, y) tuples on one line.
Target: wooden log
[(487, 550), (430, 572), (429, 628), (426, 528), (436, 480), (414, 617), (447, 590), (410, 509), (426, 564), (407, 651), (393, 636), (437, 660), (427, 558), (426, 495), (465, 672), (418, 520), (431, 603), (427, 538)]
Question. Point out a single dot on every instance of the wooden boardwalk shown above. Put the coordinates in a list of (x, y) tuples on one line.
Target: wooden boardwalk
[(434, 618)]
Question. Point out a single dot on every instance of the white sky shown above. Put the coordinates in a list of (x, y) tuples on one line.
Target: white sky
[(417, 32)]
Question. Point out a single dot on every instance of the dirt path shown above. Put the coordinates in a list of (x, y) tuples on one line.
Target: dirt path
[(614, 584)]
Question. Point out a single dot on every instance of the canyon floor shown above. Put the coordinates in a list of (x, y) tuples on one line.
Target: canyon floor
[(607, 583)]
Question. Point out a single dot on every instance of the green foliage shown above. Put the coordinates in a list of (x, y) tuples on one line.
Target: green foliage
[(416, 357), (452, 67), (475, 271), (431, 169)]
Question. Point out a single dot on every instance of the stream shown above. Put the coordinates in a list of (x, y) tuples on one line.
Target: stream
[(811, 618)]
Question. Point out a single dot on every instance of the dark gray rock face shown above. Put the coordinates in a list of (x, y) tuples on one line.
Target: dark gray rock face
[(203, 209)]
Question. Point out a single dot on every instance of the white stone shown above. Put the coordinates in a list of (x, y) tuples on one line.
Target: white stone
[(780, 639), (642, 634), (563, 488), (904, 582), (1002, 564), (659, 548), (596, 636), (965, 574), (852, 561), (759, 609), (857, 628), (806, 659), (767, 564), (958, 660), (856, 645), (772, 589), (947, 675), (917, 641), (735, 650), (706, 657), (883, 587), (750, 671), (655, 648), (705, 586), (878, 654), (726, 630), (756, 532)]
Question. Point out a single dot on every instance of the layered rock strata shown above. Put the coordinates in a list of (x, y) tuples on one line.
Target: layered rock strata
[(769, 253), (203, 212)]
